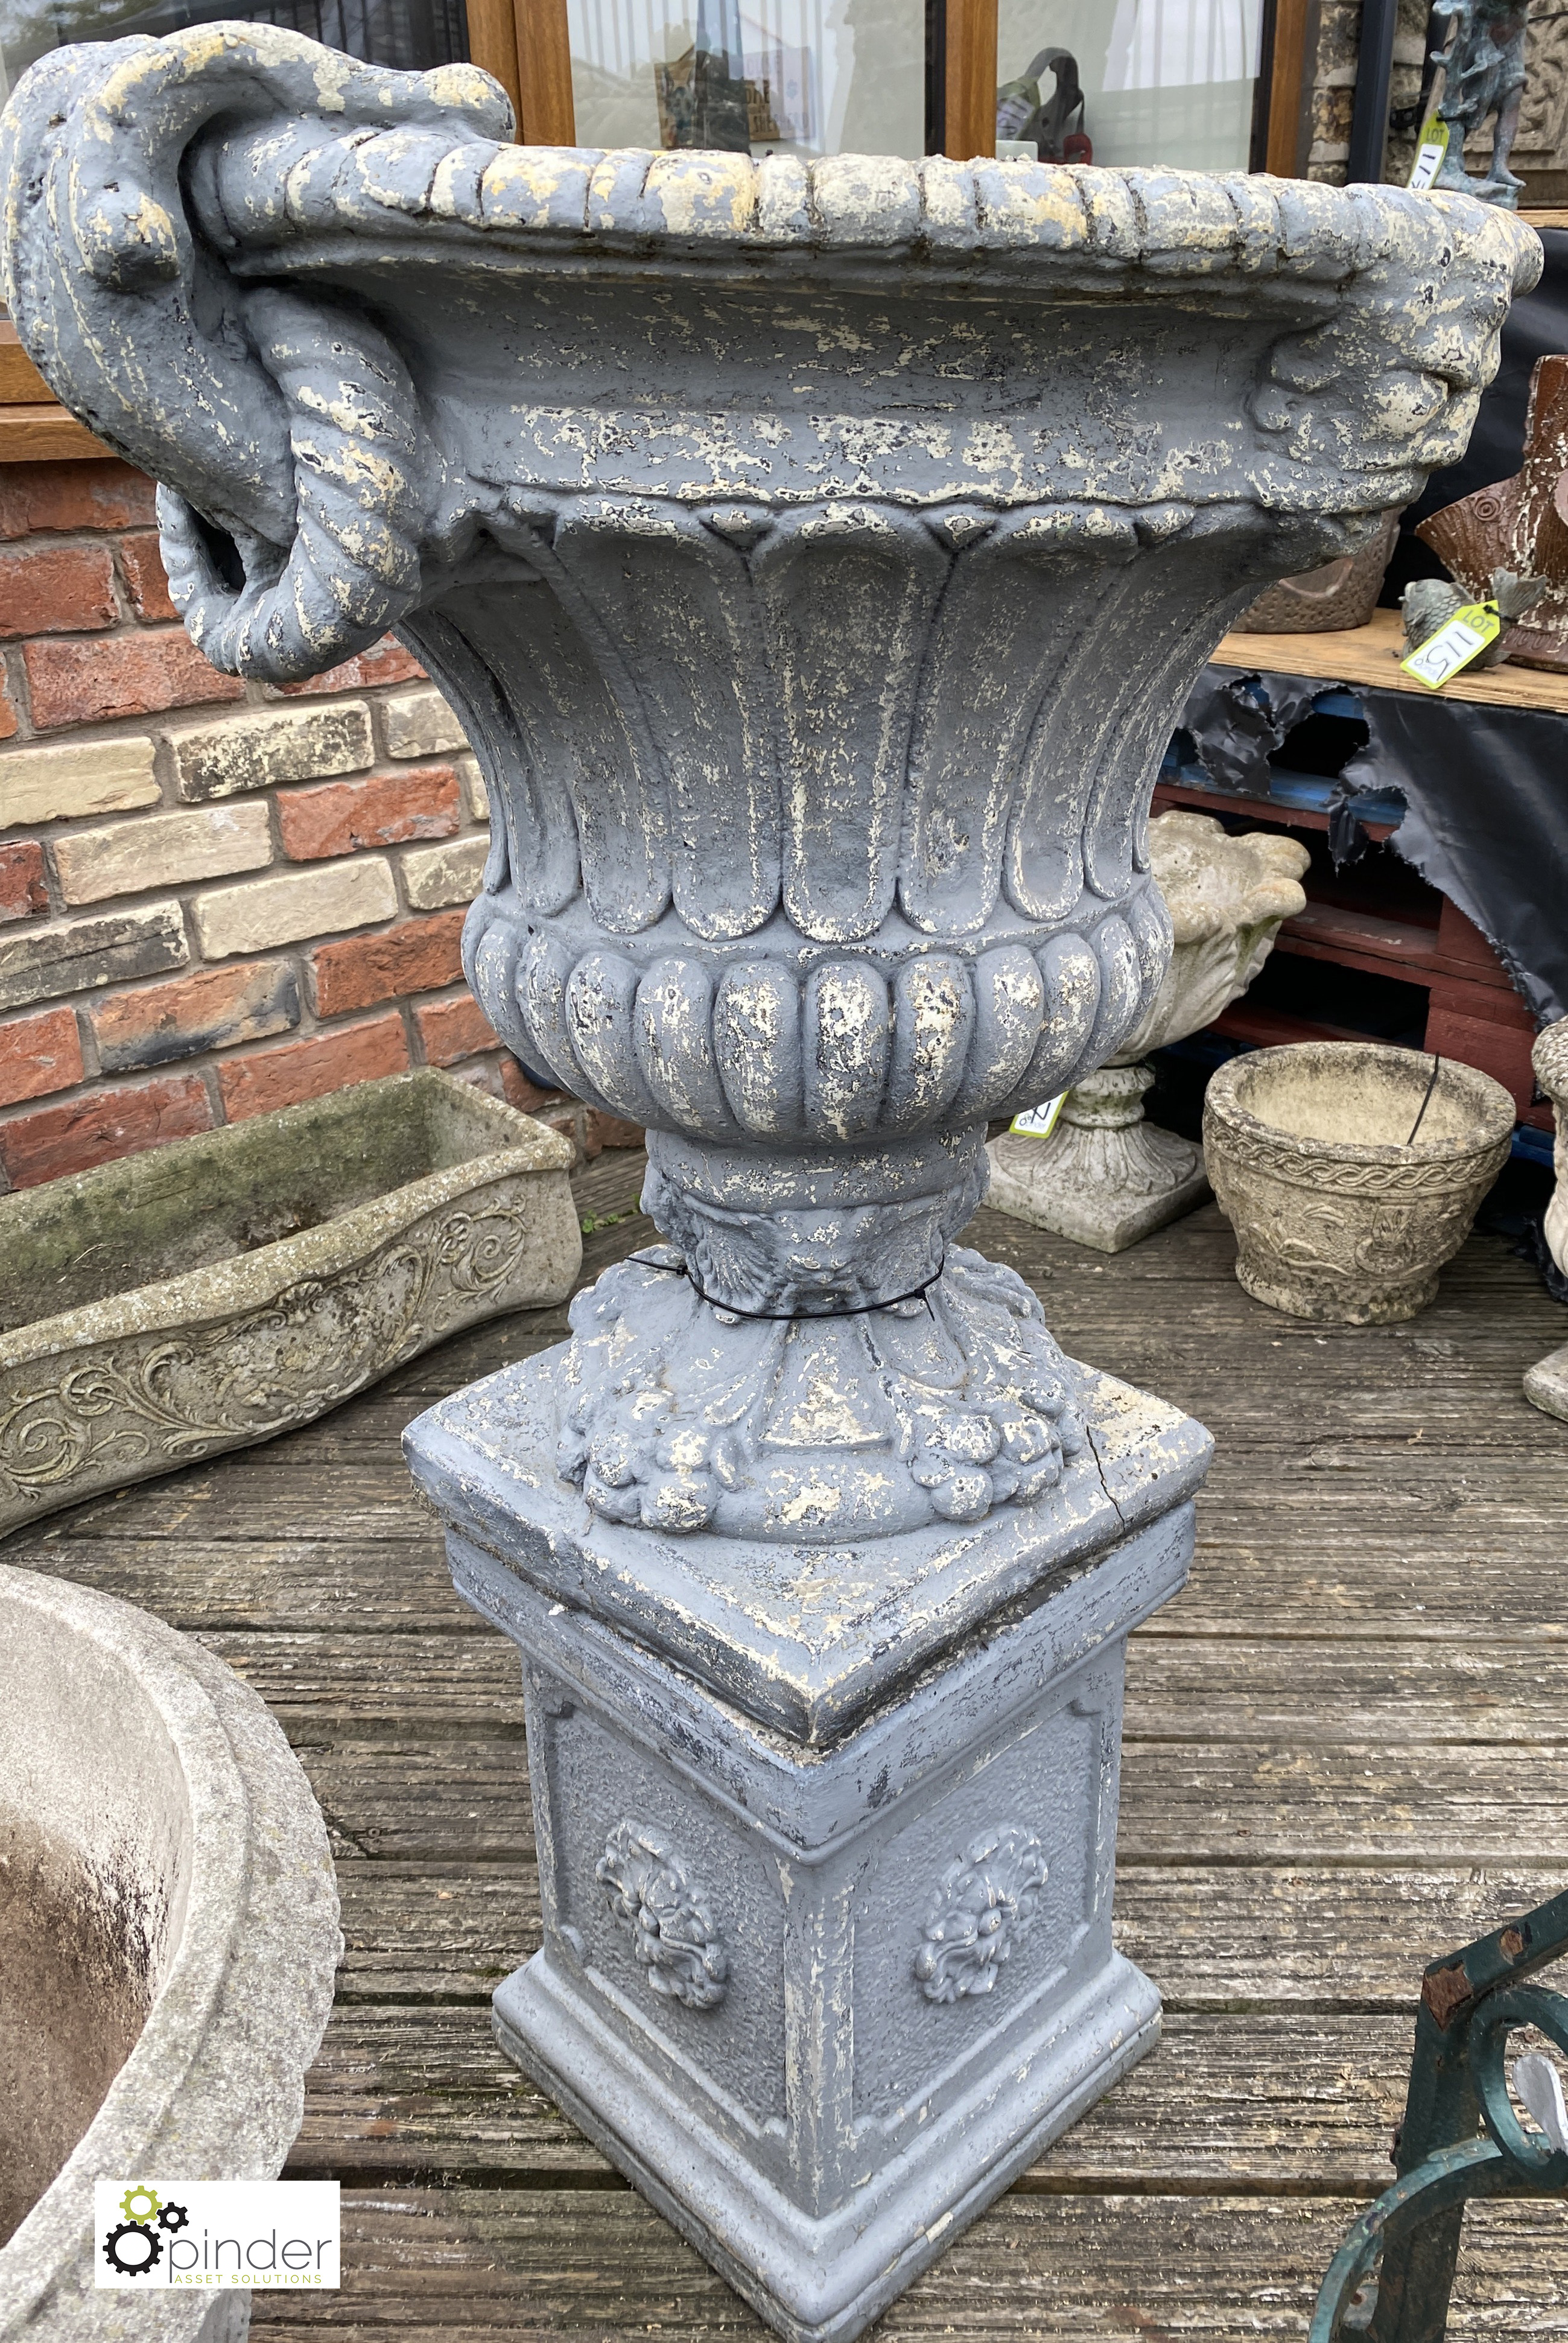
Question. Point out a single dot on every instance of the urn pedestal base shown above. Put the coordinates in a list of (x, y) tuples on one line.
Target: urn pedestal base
[(826, 1836), (1105, 1177), (824, 2279)]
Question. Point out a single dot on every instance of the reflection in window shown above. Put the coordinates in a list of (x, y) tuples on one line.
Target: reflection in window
[(1053, 125), (758, 76), (413, 34), (1136, 81)]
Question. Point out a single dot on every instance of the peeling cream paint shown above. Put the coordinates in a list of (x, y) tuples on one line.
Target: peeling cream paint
[(333, 75)]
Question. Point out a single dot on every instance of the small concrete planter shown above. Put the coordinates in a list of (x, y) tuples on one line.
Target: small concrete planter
[(1546, 1382), (1105, 1177), (220, 1289), (1338, 1215), (169, 1928)]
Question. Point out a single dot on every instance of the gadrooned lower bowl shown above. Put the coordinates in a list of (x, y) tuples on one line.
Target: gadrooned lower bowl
[(167, 1879), (1339, 1214)]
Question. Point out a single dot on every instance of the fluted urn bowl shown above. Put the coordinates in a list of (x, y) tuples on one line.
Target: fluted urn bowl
[(819, 555)]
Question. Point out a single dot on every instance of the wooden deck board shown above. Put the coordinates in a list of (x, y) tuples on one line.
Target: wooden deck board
[(1181, 1687), (1214, 1802), (1220, 1937), (1207, 2267), (1347, 1748), (410, 2094)]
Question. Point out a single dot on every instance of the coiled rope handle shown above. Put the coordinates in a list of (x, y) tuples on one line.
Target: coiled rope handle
[(353, 566), (286, 425)]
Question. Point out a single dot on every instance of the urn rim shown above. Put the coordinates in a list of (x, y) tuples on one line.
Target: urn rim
[(1491, 1104)]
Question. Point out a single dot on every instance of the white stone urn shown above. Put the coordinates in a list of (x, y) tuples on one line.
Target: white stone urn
[(1546, 1382), (1351, 1172), (1106, 1177), (168, 1938), (819, 556)]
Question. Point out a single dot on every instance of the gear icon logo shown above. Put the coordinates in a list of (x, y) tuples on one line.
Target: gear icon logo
[(133, 2248)]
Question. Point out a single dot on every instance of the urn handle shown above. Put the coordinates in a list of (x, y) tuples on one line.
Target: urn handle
[(288, 429)]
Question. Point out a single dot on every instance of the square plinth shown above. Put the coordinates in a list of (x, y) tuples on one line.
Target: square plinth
[(827, 1952), (1072, 1198), (808, 1637)]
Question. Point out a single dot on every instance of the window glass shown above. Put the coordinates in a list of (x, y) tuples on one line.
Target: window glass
[(758, 76), (411, 34), (1130, 81)]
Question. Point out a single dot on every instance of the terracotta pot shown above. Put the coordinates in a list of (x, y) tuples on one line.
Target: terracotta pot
[(1328, 600), (1339, 1214)]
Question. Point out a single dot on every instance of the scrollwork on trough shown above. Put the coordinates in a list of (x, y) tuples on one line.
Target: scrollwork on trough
[(176, 1397)]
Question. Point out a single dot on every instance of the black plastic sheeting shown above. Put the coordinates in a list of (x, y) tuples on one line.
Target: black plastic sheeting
[(1485, 792), (1485, 788), (1535, 327)]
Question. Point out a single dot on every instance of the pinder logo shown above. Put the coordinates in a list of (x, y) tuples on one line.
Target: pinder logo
[(135, 2247), (216, 2233)]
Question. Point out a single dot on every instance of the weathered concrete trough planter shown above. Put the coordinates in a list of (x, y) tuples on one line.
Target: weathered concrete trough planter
[(168, 1937), (819, 556), (1339, 1214), (219, 1290)]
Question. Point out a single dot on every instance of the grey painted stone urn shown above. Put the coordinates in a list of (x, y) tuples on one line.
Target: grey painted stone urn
[(820, 555)]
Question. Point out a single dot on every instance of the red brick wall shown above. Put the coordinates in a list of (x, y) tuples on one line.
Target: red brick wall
[(215, 898)]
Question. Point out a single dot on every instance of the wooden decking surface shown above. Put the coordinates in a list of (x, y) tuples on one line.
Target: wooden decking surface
[(1347, 1748)]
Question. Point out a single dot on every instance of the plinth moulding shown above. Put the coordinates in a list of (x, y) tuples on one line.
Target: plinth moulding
[(819, 556)]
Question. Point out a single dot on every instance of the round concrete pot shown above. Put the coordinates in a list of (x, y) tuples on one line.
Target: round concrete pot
[(169, 1935), (1339, 1215)]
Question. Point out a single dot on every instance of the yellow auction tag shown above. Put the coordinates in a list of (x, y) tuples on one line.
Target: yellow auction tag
[(1038, 1122), (1429, 153), (1465, 637)]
